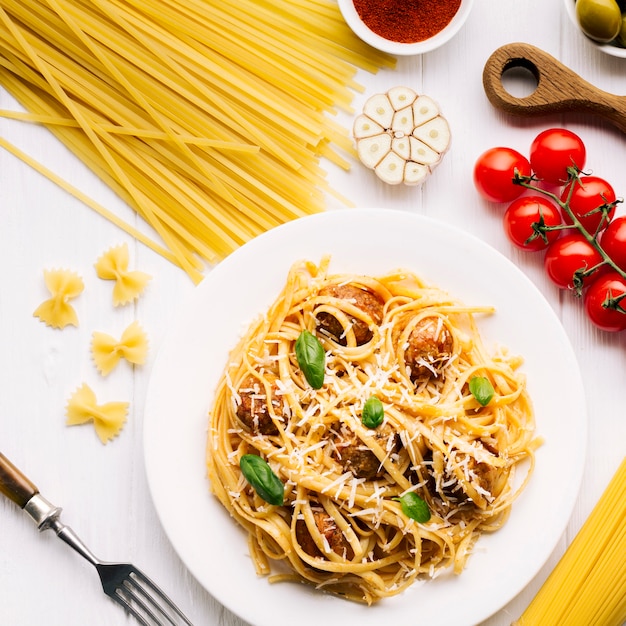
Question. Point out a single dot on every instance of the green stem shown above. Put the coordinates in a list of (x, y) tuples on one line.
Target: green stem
[(525, 181)]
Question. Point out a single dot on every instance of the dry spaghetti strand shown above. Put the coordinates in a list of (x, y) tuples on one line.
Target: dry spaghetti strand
[(209, 119), (588, 584)]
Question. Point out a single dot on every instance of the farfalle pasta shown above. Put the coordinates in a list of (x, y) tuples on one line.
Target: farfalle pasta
[(108, 419), (63, 285), (107, 351), (113, 265)]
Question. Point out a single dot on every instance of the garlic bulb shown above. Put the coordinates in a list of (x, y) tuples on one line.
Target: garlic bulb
[(401, 136)]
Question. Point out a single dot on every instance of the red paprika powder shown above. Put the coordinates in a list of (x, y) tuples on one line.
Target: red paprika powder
[(406, 21)]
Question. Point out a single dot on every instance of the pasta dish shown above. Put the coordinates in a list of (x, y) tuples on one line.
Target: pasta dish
[(364, 436)]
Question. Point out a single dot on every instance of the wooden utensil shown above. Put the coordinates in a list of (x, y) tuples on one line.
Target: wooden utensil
[(559, 89)]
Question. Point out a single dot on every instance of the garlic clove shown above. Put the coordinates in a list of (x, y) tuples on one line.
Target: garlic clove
[(402, 123), (402, 147), (379, 109), (401, 97), (372, 150), (421, 153), (435, 134), (391, 169), (415, 173), (424, 110), (364, 126)]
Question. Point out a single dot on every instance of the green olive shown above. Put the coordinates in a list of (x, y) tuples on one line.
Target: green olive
[(600, 20), (621, 36)]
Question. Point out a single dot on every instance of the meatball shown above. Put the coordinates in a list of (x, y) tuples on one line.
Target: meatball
[(484, 476), (253, 411), (479, 480), (370, 303), (357, 458), (429, 349), (327, 527)]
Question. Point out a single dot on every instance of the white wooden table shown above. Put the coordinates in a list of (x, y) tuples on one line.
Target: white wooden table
[(103, 489)]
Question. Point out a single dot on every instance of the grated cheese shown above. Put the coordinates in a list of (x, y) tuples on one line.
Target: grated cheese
[(432, 440)]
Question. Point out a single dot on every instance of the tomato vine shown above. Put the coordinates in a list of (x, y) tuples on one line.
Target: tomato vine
[(575, 255), (605, 210)]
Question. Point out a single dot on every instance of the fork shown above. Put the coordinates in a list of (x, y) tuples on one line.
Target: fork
[(122, 582)]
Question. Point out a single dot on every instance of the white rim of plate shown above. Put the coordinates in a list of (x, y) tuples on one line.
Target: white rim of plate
[(174, 451)]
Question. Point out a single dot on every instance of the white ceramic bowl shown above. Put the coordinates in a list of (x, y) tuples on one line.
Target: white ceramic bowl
[(405, 49), (607, 48)]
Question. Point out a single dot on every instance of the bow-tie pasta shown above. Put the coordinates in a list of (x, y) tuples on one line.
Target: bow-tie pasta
[(108, 419), (107, 351), (113, 265), (63, 285)]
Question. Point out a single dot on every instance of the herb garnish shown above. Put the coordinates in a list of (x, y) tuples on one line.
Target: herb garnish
[(263, 480), (373, 413), (311, 358), (481, 389), (414, 507)]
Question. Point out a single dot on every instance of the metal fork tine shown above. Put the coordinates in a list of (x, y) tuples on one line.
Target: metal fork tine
[(142, 578), (120, 599), (146, 601), (137, 597)]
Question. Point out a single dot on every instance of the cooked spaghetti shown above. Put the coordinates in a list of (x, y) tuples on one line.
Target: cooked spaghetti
[(342, 525)]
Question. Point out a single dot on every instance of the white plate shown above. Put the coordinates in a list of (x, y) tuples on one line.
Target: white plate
[(368, 241)]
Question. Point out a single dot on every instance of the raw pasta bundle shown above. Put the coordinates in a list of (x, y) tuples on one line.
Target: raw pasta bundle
[(108, 419), (63, 285), (588, 584), (208, 118), (113, 265), (107, 351)]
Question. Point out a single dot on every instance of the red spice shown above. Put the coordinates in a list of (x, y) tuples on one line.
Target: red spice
[(406, 21)]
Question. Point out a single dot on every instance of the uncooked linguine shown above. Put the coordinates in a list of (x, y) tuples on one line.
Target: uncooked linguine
[(366, 506)]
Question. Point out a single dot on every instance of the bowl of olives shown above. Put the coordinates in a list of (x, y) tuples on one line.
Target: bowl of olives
[(602, 21)]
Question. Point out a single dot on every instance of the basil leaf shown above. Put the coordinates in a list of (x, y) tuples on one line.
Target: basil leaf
[(263, 480), (414, 507), (373, 413), (481, 389), (311, 358)]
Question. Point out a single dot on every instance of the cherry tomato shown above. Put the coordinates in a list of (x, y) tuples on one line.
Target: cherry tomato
[(553, 151), (613, 241), (494, 171), (525, 212), (587, 195), (567, 255), (611, 285)]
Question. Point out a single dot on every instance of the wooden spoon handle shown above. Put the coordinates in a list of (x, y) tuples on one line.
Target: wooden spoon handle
[(559, 89), (14, 485)]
